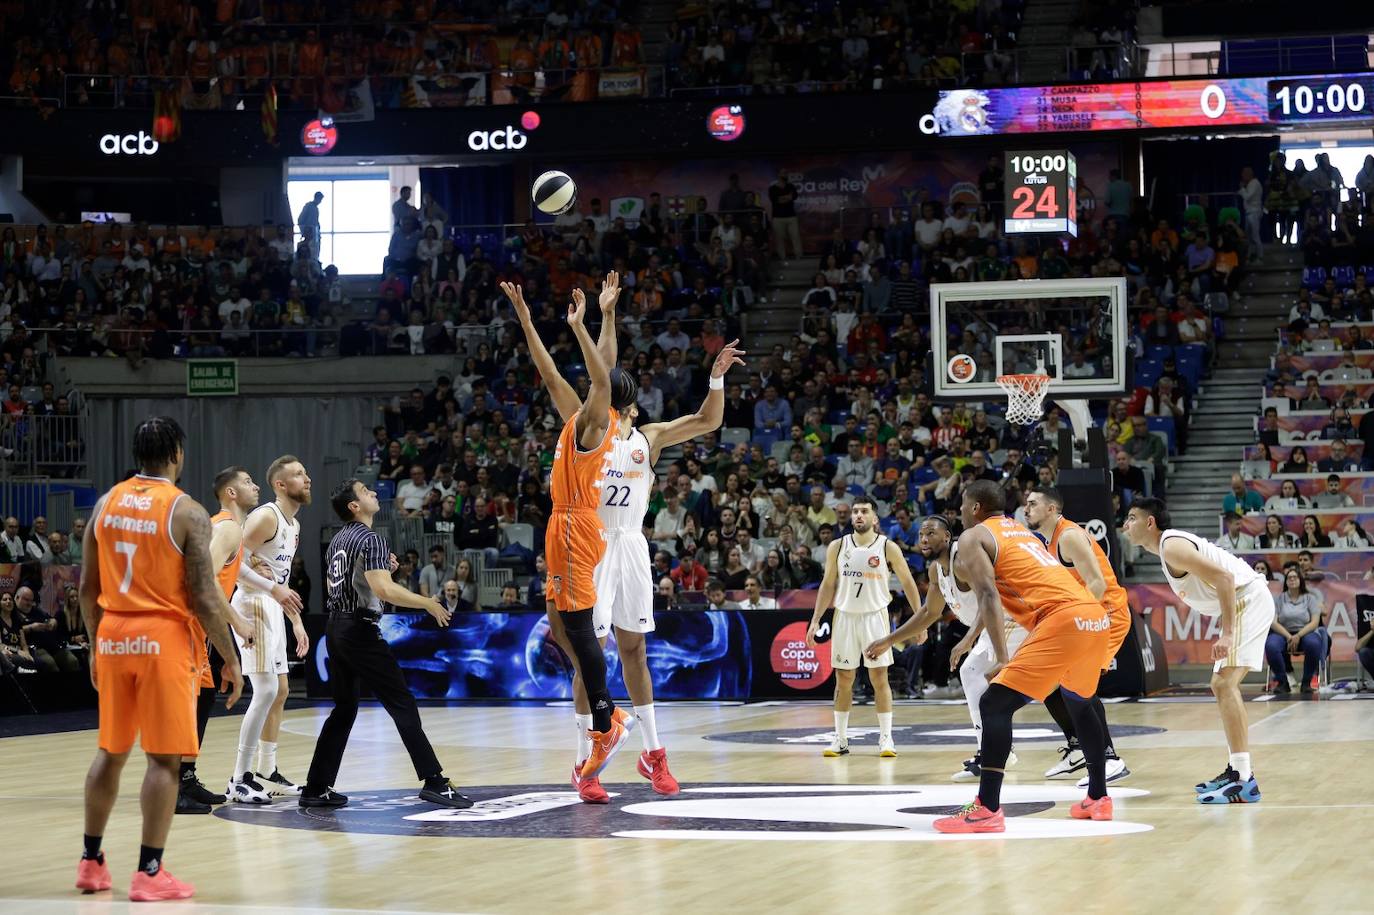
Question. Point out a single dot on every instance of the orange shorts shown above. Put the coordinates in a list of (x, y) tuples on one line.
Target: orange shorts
[(147, 673), (207, 678), (1064, 649), (1121, 627), (573, 545)]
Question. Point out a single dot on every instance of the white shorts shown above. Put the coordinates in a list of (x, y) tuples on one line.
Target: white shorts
[(982, 657), (1254, 618), (268, 654), (624, 586), (851, 633)]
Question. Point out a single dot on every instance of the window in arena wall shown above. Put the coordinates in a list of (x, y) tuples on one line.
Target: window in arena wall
[(355, 218)]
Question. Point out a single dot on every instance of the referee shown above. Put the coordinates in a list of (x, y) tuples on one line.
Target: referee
[(357, 581)]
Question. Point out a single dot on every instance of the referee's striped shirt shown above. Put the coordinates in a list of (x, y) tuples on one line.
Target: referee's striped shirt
[(354, 551)]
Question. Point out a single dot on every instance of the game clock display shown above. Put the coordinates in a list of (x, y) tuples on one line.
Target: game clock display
[(1041, 193), (1340, 98)]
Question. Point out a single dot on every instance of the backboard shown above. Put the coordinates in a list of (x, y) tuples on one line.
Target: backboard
[(982, 330)]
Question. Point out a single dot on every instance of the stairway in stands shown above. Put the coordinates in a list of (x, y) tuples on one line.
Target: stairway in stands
[(1224, 411)]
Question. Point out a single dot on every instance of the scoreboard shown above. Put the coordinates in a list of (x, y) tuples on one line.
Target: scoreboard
[(1041, 193)]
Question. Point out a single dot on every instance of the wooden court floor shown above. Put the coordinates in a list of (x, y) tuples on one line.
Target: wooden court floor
[(764, 823)]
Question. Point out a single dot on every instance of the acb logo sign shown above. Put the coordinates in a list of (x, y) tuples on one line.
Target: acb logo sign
[(130, 144), (506, 139)]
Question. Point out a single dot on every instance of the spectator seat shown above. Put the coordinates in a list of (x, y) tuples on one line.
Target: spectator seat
[(733, 435), (1164, 424), (522, 534), (386, 490)]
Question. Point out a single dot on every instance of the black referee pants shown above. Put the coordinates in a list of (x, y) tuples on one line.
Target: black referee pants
[(358, 654)]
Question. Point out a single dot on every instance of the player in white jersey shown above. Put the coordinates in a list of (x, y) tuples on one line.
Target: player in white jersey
[(271, 534), (1217, 584), (938, 546), (624, 585), (858, 567)]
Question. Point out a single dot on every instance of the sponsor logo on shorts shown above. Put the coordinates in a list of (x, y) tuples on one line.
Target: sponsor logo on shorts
[(128, 645), (719, 813), (1098, 625)]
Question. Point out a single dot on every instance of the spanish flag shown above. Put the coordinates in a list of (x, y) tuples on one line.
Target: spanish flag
[(269, 113), (166, 115)]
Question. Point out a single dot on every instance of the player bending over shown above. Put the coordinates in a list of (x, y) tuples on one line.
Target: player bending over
[(1215, 583)]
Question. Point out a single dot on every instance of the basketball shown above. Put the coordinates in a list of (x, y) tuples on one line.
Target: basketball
[(554, 193)]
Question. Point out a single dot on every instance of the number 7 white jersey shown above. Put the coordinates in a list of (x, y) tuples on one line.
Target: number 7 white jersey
[(864, 576), (626, 481)]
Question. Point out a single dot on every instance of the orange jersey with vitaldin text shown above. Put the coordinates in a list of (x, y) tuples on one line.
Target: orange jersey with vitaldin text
[(228, 577), (1114, 598), (1032, 583), (141, 568), (575, 482)]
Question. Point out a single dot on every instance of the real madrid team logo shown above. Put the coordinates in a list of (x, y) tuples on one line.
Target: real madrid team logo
[(873, 562), (637, 456)]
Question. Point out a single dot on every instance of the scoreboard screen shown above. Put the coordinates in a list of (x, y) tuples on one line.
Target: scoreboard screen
[(1041, 193)]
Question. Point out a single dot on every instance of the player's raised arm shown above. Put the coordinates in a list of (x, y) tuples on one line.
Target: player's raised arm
[(1075, 549), (708, 416), (595, 413), (191, 532), (565, 399), (826, 595), (914, 628), (607, 343), (1182, 556), (973, 564)]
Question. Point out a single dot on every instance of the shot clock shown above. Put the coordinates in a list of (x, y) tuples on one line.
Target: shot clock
[(1041, 193)]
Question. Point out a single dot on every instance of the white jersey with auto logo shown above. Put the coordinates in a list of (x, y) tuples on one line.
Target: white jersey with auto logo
[(864, 575)]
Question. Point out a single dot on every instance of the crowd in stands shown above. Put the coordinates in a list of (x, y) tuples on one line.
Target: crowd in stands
[(37, 634), (830, 46), (1334, 226), (315, 52), (217, 54)]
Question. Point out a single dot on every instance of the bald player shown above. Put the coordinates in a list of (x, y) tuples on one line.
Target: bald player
[(1009, 571), (1081, 555)]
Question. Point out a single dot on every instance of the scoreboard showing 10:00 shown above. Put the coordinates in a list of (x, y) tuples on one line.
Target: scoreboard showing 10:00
[(1041, 193)]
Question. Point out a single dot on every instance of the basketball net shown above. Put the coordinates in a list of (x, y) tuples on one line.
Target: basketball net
[(1025, 397)]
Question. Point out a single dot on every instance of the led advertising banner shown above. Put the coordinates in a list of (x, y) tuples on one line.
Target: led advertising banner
[(1195, 102)]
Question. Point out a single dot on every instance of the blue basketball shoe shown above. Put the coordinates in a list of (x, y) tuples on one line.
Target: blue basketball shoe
[(1227, 776), (1233, 792)]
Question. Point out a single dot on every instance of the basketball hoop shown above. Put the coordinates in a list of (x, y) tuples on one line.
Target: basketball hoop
[(1025, 397)]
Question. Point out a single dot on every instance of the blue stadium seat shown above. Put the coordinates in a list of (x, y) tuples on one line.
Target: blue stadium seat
[(386, 489), (1159, 353), (1164, 424), (765, 438), (1368, 271), (1190, 358), (1147, 372), (1344, 276), (1313, 277), (855, 489)]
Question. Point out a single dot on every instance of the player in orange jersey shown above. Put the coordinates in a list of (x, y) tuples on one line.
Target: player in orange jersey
[(1081, 555), (1008, 569), (237, 495), (146, 575), (574, 541)]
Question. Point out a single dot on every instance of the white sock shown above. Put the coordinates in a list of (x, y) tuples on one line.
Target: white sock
[(250, 732), (842, 726), (584, 743), (267, 756), (1241, 763), (885, 725), (644, 716)]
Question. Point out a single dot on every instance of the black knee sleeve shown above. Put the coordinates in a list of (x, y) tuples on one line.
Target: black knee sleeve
[(1054, 704), (204, 703), (581, 632)]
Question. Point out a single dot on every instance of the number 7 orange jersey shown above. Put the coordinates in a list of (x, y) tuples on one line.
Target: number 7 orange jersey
[(1032, 583), (141, 566)]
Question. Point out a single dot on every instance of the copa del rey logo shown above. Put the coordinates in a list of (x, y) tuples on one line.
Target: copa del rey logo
[(130, 646), (130, 144)]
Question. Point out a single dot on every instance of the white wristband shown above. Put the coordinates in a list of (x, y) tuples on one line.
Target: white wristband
[(717, 383)]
